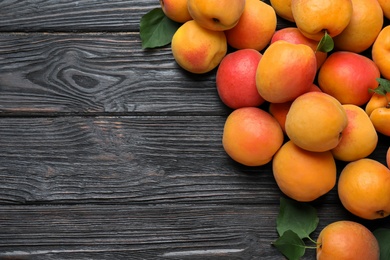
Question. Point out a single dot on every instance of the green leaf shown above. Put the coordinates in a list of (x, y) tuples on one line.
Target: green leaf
[(156, 29), (290, 245), (296, 216), (326, 43), (383, 87), (383, 237)]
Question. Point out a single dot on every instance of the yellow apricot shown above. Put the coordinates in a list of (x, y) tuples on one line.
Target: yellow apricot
[(345, 240), (359, 138), (303, 175), (315, 121), (380, 118), (364, 188), (196, 49)]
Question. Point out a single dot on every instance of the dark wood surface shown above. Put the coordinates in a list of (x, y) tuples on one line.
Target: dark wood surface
[(108, 151)]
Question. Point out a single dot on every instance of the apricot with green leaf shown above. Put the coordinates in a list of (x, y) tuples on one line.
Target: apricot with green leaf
[(348, 76), (378, 107)]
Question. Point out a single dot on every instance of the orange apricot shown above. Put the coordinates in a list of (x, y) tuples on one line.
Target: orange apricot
[(251, 136), (303, 175)]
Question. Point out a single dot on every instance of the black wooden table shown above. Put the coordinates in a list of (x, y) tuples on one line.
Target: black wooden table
[(108, 151)]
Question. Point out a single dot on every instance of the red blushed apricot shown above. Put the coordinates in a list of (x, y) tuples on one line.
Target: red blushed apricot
[(236, 79), (251, 136)]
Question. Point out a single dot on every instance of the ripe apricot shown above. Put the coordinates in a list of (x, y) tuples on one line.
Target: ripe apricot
[(378, 108), (359, 138), (303, 175), (347, 240), (279, 111), (377, 101), (258, 18), (380, 118), (236, 79), (364, 188), (196, 49), (315, 121), (388, 157), (251, 136), (381, 52), (176, 10)]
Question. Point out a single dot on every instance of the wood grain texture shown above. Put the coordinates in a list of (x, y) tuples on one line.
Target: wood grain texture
[(164, 231), (77, 16), (108, 151), (124, 159), (99, 73), (72, 16)]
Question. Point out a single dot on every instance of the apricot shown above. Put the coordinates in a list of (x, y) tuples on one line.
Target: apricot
[(294, 35), (380, 118), (274, 79), (196, 49), (283, 9), (251, 136), (315, 121), (303, 175), (216, 15), (388, 157), (236, 79), (385, 4), (381, 52), (378, 109), (280, 110), (365, 25), (347, 240), (377, 101), (314, 17), (255, 28), (364, 188), (359, 138), (176, 10), (348, 76)]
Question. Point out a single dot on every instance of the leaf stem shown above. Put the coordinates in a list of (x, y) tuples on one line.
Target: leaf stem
[(312, 240)]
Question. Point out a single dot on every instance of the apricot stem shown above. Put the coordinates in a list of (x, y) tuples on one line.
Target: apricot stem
[(381, 213)]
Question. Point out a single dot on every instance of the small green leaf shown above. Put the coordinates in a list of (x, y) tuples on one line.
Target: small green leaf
[(326, 43), (383, 87), (383, 237), (296, 216), (384, 83), (156, 29), (290, 245)]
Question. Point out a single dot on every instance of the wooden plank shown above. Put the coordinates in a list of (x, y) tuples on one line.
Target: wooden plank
[(99, 73), (71, 16), (77, 16), (124, 159), (170, 231), (129, 159)]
